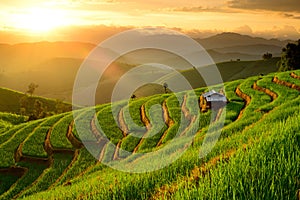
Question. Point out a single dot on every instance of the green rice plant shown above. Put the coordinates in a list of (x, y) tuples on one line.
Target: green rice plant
[(49, 175), (252, 111), (10, 132), (112, 184), (235, 104), (7, 148), (132, 110), (131, 120), (268, 161), (7, 180), (192, 103), (264, 172), (58, 138), (84, 160), (174, 103), (13, 119), (83, 125), (50, 121), (108, 122), (83, 119), (131, 141), (230, 91), (4, 126), (34, 171), (33, 145), (109, 152), (283, 92), (285, 76), (154, 112)]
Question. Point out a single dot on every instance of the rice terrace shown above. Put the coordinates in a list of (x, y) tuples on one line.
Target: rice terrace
[(150, 100), (45, 159)]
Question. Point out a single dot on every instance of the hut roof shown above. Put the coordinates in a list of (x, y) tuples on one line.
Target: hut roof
[(214, 96), (209, 93)]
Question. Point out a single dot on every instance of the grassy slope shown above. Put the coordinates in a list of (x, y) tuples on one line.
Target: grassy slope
[(265, 145), (229, 71), (10, 101)]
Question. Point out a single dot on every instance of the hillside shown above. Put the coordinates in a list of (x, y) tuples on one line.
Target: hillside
[(10, 102), (256, 156), (228, 39), (229, 71), (53, 65)]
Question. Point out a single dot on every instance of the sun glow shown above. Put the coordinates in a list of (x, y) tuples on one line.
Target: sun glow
[(39, 19)]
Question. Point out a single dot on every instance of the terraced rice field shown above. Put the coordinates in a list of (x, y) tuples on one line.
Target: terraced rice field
[(256, 157)]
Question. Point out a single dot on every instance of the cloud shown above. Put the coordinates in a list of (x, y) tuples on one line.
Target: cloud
[(288, 15), (202, 9), (272, 5)]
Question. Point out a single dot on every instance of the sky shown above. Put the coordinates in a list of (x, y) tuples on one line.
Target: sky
[(57, 19)]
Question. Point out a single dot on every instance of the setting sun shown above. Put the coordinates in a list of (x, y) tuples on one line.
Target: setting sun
[(39, 19)]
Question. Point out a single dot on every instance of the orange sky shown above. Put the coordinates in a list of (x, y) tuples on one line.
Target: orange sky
[(40, 18)]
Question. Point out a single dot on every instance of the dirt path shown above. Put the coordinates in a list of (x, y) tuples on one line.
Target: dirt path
[(190, 118), (184, 109), (168, 121), (285, 83), (122, 124), (195, 175), (101, 155), (246, 98), (272, 94), (71, 137), (98, 135), (116, 153), (19, 157), (147, 123), (295, 76)]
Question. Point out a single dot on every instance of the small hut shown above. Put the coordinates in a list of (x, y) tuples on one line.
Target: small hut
[(212, 99)]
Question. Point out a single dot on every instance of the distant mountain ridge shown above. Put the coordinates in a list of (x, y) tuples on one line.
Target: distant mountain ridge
[(228, 39), (54, 65)]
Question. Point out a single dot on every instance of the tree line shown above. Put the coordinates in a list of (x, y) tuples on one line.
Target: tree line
[(290, 58), (35, 108)]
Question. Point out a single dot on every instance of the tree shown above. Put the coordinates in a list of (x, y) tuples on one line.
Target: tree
[(31, 88), (39, 111), (267, 56), (166, 87), (23, 105), (290, 58), (60, 106), (133, 96)]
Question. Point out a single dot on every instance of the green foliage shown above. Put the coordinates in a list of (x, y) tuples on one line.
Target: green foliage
[(50, 175), (263, 145), (12, 118), (34, 171), (265, 171), (59, 131), (34, 144), (10, 132), (6, 181), (31, 88), (154, 113), (84, 161), (13, 102), (267, 56), (290, 58), (107, 119), (7, 148), (83, 125)]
